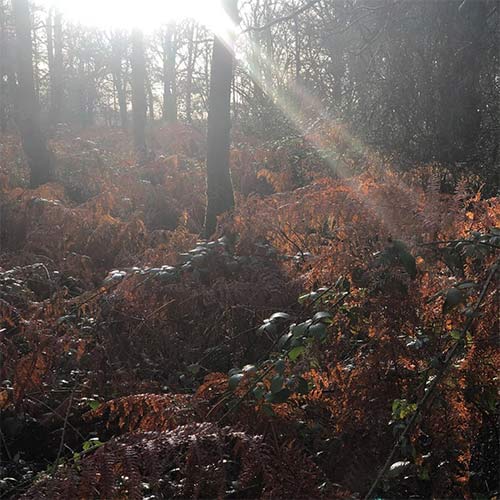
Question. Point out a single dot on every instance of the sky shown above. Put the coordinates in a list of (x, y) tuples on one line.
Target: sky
[(144, 14)]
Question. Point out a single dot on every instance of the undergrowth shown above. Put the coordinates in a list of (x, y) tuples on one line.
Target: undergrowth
[(289, 357)]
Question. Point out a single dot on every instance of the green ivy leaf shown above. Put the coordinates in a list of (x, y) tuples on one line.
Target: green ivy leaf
[(308, 297), (280, 366), (259, 391), (303, 298), (322, 317), (300, 329), (276, 384), (281, 396), (399, 468), (318, 331), (402, 409), (235, 380), (94, 404), (91, 444), (194, 368), (249, 369), (283, 341), (466, 285), (280, 316), (296, 352), (267, 327)]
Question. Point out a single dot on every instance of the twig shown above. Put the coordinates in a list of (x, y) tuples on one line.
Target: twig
[(335, 304), (465, 242), (282, 233), (152, 315), (61, 444), (282, 19), (39, 401), (4, 442), (100, 291), (437, 380)]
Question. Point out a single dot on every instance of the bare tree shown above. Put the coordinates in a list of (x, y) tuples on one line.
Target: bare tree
[(57, 82), (55, 62), (220, 197), (169, 74), (118, 53), (28, 113), (3, 69), (139, 102), (191, 60)]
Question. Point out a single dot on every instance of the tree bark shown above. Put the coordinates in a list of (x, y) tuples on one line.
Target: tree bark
[(56, 72), (169, 75), (54, 58), (298, 60), (189, 75), (28, 116), (50, 43), (220, 197), (139, 101), (35, 55), (118, 52), (3, 70), (151, 100)]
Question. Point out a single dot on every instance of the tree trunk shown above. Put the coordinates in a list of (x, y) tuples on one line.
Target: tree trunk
[(220, 197), (35, 55), (151, 101), (139, 102), (234, 93), (50, 44), (82, 94), (56, 72), (3, 70), (118, 51), (28, 116), (169, 75), (298, 61), (122, 100), (189, 75), (55, 69), (91, 100)]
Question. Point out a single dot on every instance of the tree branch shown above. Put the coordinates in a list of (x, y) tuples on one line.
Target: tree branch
[(282, 19)]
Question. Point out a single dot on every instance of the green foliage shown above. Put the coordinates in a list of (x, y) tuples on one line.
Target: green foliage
[(401, 409), (270, 381), (87, 447)]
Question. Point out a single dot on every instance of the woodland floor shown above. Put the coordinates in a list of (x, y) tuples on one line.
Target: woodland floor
[(138, 361)]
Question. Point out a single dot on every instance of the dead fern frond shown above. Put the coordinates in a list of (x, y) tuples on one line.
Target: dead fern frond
[(193, 461), (144, 412)]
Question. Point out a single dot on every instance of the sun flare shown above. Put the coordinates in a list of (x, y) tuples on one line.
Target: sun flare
[(146, 15)]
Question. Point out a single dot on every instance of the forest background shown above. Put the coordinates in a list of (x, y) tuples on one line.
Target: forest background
[(309, 311)]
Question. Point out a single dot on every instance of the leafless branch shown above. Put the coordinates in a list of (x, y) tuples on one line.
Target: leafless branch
[(285, 18)]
